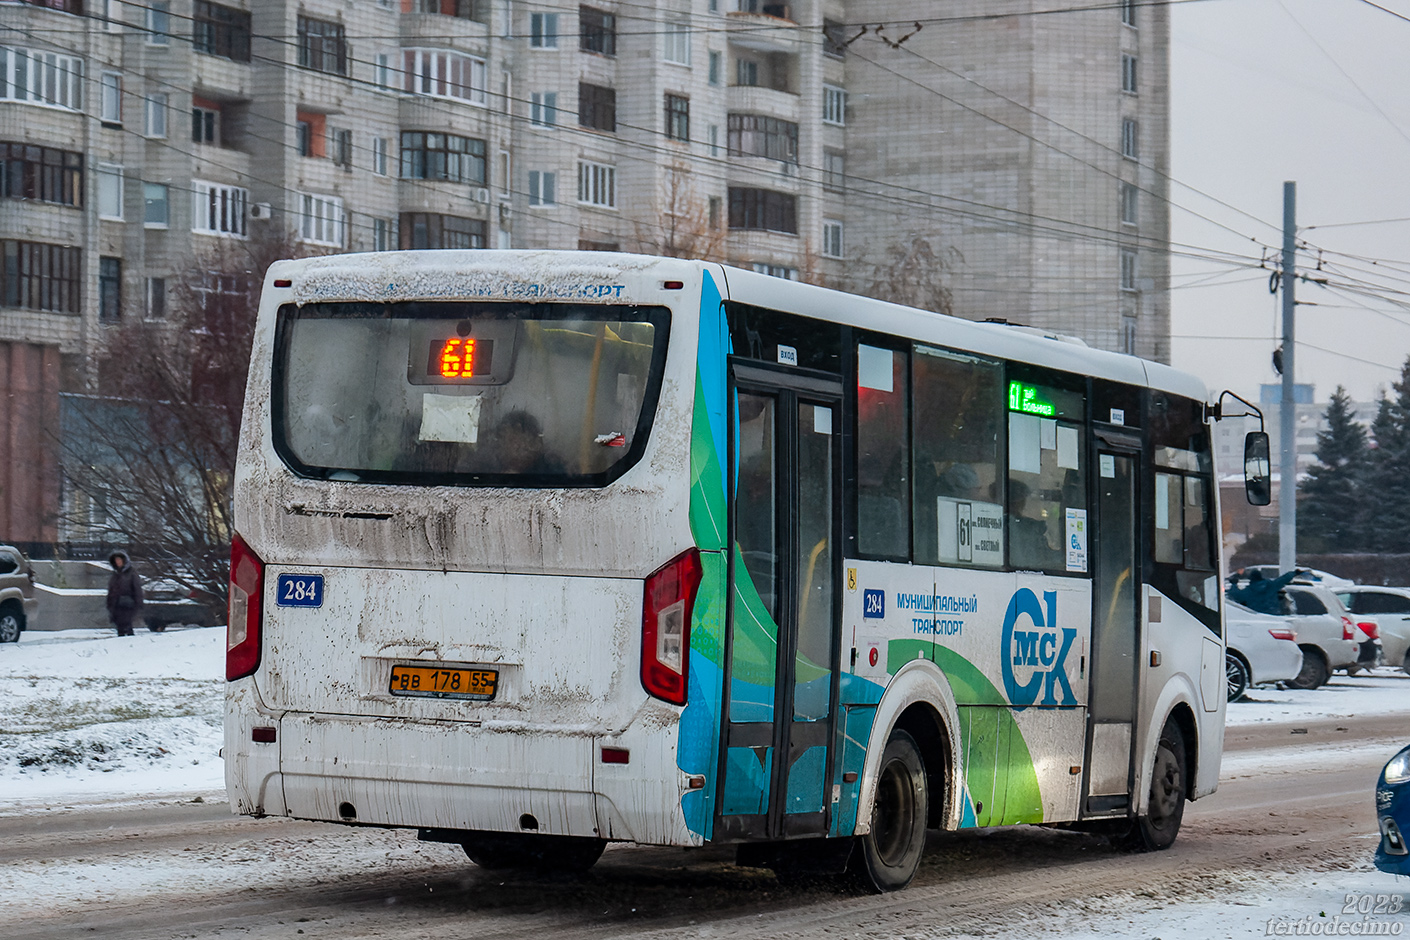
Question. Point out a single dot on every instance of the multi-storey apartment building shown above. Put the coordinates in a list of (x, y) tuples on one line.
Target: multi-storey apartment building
[(813, 139)]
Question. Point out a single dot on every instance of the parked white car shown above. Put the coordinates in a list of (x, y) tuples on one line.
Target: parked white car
[(1325, 632), (1389, 609), (1261, 648)]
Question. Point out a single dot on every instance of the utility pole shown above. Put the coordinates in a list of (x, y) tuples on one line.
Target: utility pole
[(1287, 413)]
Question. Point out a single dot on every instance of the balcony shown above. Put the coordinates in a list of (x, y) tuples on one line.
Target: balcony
[(764, 32), (755, 99)]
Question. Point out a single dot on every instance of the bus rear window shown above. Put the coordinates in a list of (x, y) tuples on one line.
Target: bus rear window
[(466, 393)]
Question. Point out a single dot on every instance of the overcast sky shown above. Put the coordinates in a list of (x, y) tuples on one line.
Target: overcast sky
[(1266, 91)]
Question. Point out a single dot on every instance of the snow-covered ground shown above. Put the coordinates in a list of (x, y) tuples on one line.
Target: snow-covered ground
[(1385, 691), (88, 716)]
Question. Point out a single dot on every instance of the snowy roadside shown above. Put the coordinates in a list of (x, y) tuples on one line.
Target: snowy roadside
[(87, 716), (1385, 691)]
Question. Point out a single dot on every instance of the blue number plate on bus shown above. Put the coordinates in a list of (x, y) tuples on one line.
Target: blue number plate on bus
[(299, 590)]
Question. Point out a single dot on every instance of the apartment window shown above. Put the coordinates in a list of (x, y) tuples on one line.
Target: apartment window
[(441, 74), (1128, 335), (505, 179), (585, 244), (323, 46), (110, 289), (775, 270), (597, 107), (382, 71), (109, 191), (541, 188), (713, 211), (44, 78), (342, 148), (158, 23), (44, 174), (834, 171), (38, 276), (763, 210), (746, 72), (713, 136), (676, 37), (543, 30), (321, 219), (1130, 139), (106, 10), (1128, 204), (834, 39), (220, 31), (597, 31), (156, 298), (756, 135), (543, 108), (677, 117), (379, 156), (716, 67), (156, 205), (1128, 12), (597, 184), (423, 230), (477, 10), (382, 235), (218, 209), (834, 105), (1128, 74), (205, 125), (1128, 269), (154, 120), (110, 98), (448, 157), (832, 238)]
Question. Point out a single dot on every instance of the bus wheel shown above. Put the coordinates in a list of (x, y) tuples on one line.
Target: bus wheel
[(1157, 827), (886, 858), (536, 853)]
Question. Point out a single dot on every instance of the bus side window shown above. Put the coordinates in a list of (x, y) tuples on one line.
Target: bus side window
[(1184, 525), (1047, 504), (883, 454), (959, 470)]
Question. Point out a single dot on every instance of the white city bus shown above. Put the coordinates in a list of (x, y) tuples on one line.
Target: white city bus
[(542, 550)]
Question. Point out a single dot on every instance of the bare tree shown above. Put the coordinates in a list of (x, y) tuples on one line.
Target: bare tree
[(688, 227), (157, 448), (908, 270)]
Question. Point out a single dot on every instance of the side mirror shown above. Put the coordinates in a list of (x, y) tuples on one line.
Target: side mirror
[(1258, 480)]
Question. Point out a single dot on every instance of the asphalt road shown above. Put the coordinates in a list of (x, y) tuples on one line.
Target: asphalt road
[(1293, 798)]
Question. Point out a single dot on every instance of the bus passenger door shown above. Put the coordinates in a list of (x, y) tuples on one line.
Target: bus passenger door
[(783, 623), (1115, 636)]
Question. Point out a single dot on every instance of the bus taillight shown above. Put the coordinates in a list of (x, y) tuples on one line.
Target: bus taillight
[(242, 646), (665, 626)]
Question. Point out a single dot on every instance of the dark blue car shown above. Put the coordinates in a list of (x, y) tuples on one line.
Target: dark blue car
[(1393, 810)]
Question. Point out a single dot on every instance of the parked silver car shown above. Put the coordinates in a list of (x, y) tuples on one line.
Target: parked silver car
[(1261, 648), (1325, 632), (1389, 609), (18, 605)]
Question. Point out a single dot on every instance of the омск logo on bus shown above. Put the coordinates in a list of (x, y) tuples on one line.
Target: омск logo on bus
[(1034, 653)]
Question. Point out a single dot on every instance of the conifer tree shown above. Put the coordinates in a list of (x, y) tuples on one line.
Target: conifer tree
[(1328, 513), (1385, 495)]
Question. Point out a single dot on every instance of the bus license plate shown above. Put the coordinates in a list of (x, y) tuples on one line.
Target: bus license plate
[(441, 682)]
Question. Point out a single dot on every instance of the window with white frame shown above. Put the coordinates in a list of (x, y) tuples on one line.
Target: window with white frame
[(37, 77), (320, 219), (1128, 12), (1128, 334), (716, 67), (383, 238), (712, 135), (775, 270), (218, 209), (110, 98), (1128, 74), (379, 156), (746, 72), (676, 36), (505, 179), (156, 298), (1128, 269), (110, 191), (597, 184), (159, 23), (1130, 139), (382, 71), (442, 74), (1129, 208), (156, 205), (542, 188), (543, 30), (834, 171), (341, 139), (154, 118), (110, 12), (832, 238), (834, 105), (543, 108)]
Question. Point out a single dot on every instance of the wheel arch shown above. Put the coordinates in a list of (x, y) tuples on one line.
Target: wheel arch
[(14, 600), (918, 700), (1179, 701)]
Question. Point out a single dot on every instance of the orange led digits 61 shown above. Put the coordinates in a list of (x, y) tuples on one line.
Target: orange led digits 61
[(457, 359)]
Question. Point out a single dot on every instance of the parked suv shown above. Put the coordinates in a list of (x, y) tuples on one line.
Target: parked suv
[(17, 601), (1389, 610), (1325, 632)]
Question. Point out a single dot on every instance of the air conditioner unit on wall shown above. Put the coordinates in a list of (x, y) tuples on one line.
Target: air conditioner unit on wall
[(261, 211), (482, 194)]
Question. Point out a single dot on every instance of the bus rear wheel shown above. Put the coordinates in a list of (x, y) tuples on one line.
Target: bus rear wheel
[(886, 859), (1157, 827), (496, 850)]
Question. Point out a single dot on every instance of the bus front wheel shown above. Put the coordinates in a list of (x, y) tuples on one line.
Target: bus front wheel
[(886, 858), (534, 852), (1157, 827)]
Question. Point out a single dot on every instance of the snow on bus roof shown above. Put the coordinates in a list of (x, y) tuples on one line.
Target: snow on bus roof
[(406, 275)]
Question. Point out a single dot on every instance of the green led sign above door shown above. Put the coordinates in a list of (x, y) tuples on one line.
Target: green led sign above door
[(1025, 398)]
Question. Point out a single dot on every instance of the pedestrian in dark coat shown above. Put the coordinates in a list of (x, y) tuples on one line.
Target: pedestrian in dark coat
[(124, 593)]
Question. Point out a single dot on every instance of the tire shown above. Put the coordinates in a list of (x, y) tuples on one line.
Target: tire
[(1405, 666), (886, 859), (498, 850), (157, 627), (1314, 673), (1236, 676), (1159, 824), (11, 623)]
